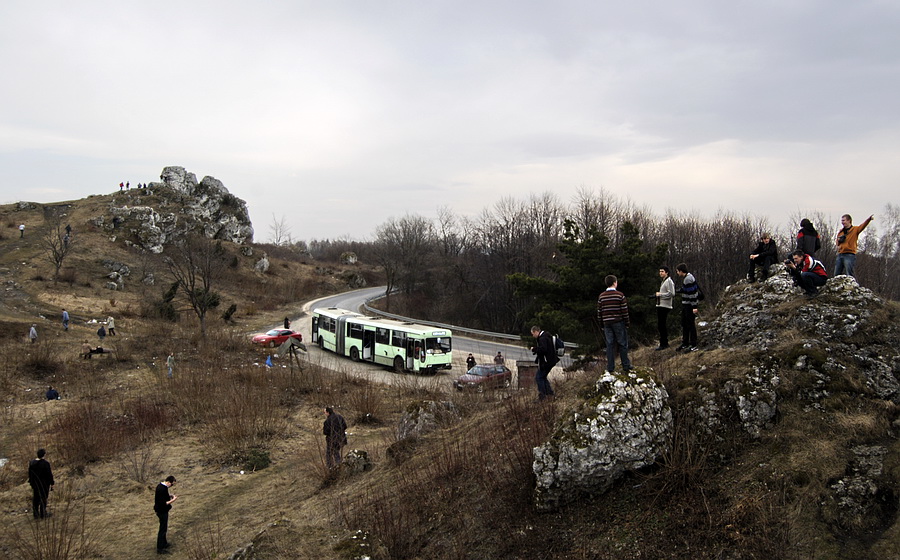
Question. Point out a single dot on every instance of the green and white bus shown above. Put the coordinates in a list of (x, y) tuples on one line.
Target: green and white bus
[(402, 346)]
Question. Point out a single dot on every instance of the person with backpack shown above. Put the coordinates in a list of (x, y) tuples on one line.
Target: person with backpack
[(612, 310), (690, 298), (807, 272), (808, 238), (546, 358)]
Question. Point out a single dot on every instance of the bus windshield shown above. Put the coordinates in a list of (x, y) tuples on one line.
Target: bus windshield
[(437, 345)]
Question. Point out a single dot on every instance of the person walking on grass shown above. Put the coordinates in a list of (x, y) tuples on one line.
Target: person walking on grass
[(162, 503), (335, 430), (65, 320), (170, 363), (40, 477), (612, 311), (111, 325), (21, 231), (32, 333), (101, 332)]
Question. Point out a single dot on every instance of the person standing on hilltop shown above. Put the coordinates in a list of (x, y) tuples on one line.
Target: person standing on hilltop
[(847, 239), (664, 298), (612, 310), (690, 297), (808, 238)]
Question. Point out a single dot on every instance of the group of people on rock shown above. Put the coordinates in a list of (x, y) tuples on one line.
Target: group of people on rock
[(806, 271)]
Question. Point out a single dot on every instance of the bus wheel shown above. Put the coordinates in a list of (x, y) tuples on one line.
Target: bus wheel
[(398, 364), (354, 354)]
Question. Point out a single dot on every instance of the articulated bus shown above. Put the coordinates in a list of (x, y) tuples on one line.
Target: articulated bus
[(402, 346)]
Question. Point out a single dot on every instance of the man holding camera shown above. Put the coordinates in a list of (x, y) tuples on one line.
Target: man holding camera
[(808, 273), (847, 239)]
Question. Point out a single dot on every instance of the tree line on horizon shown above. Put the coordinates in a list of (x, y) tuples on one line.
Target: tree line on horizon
[(537, 259)]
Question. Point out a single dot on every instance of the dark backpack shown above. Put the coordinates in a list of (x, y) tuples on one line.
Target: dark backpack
[(560, 346)]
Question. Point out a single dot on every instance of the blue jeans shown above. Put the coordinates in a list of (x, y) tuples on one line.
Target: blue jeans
[(845, 264), (616, 339), (543, 384)]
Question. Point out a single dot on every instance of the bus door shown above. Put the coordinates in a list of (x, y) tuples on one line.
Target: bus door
[(315, 329), (368, 345), (413, 350)]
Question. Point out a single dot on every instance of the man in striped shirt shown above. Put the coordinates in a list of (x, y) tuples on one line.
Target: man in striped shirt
[(612, 310)]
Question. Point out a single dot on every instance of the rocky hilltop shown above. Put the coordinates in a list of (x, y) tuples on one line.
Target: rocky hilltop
[(798, 394), (168, 209)]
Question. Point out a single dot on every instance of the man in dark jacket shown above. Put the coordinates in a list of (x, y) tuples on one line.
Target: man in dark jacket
[(765, 255), (545, 358), (335, 430), (162, 503), (40, 477)]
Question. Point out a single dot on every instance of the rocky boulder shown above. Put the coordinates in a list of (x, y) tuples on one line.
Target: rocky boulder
[(624, 424), (206, 207), (426, 416)]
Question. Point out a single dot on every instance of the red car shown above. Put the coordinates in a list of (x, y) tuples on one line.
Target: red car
[(483, 377), (276, 337)]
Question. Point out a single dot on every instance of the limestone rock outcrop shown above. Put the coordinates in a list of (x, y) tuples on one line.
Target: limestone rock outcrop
[(205, 207), (624, 424)]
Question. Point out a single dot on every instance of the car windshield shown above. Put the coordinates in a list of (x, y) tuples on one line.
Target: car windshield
[(273, 332), (481, 371)]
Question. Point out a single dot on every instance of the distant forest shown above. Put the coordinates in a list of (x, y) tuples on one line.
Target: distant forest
[(521, 259)]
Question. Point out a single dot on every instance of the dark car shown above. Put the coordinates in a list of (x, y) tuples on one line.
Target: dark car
[(276, 337), (483, 377)]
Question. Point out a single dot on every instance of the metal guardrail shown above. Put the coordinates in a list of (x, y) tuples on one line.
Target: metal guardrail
[(455, 328)]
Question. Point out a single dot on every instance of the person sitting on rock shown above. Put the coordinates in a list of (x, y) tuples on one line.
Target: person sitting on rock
[(807, 272), (765, 255)]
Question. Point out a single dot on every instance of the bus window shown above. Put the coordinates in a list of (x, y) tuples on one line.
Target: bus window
[(355, 331), (399, 339), (437, 345), (382, 335)]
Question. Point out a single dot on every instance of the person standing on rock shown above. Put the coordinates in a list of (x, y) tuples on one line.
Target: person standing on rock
[(335, 430), (664, 298), (545, 358), (808, 239), (690, 298), (847, 239), (612, 311)]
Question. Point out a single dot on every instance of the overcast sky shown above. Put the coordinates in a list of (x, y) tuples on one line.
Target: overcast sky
[(339, 115)]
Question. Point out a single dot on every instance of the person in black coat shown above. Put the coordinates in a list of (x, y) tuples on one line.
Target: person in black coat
[(808, 238), (545, 358), (765, 255), (40, 477), (335, 430), (162, 503)]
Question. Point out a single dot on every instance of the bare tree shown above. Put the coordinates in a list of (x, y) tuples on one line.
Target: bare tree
[(196, 264), (281, 231), (56, 240)]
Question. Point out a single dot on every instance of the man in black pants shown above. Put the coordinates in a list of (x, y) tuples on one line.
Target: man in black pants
[(161, 505), (40, 477)]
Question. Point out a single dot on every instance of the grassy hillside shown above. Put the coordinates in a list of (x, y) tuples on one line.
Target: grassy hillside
[(245, 441)]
